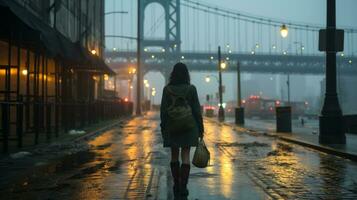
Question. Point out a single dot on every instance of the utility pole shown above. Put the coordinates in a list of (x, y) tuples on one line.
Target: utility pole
[(239, 91), (138, 60), (331, 119), (220, 110), (239, 111)]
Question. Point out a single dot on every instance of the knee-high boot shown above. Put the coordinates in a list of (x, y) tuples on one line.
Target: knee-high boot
[(185, 173), (175, 171)]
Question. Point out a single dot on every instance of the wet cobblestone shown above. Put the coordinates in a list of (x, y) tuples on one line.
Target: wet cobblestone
[(128, 162)]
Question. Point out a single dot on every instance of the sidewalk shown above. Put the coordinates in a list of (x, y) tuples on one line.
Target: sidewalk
[(18, 168), (306, 136), (128, 162)]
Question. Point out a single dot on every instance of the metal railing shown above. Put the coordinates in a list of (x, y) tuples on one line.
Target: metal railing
[(36, 118)]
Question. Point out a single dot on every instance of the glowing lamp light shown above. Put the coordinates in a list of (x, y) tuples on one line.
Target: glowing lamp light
[(131, 87), (342, 54), (106, 77), (163, 50), (94, 78), (284, 31), (211, 57), (145, 49), (277, 102), (114, 49), (152, 56), (24, 72), (223, 65), (302, 48), (284, 52), (257, 46), (227, 58), (243, 101), (93, 51), (147, 85), (182, 57), (223, 105), (126, 99), (146, 81), (274, 47), (230, 51), (252, 52), (207, 79), (350, 61)]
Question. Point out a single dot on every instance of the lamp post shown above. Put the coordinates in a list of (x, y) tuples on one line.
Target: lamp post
[(138, 57), (284, 33), (220, 110), (331, 119), (239, 111)]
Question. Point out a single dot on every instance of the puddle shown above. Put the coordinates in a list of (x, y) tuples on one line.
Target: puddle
[(244, 145), (202, 175)]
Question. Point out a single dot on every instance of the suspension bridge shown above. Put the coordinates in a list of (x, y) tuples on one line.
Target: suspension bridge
[(191, 30)]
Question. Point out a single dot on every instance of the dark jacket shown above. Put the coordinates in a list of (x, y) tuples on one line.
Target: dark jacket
[(185, 139)]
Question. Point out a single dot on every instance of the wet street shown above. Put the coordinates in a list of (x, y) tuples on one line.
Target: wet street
[(129, 162)]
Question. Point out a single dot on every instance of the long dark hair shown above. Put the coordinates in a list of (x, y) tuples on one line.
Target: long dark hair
[(179, 74)]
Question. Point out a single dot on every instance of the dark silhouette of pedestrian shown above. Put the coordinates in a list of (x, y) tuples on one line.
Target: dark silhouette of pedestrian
[(181, 124), (302, 121)]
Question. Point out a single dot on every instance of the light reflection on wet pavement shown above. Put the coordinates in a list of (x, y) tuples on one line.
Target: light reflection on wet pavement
[(129, 163)]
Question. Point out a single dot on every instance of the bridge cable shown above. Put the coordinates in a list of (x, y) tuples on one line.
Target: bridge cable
[(216, 30), (132, 22), (121, 23), (235, 34), (269, 30), (114, 30), (246, 36), (208, 32), (239, 36), (276, 38)]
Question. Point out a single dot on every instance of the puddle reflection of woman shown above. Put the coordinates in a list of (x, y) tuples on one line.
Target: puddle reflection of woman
[(180, 84)]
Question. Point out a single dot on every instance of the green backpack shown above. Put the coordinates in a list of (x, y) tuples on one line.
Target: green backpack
[(180, 118)]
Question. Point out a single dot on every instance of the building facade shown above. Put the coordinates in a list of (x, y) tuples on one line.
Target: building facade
[(52, 73)]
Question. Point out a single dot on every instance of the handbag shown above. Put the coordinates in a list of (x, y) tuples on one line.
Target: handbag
[(201, 156)]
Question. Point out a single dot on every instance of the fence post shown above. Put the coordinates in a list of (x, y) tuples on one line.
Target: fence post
[(5, 126), (48, 121), (19, 121), (36, 120), (56, 119)]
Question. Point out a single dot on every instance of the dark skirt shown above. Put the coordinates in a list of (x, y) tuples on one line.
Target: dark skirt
[(186, 139)]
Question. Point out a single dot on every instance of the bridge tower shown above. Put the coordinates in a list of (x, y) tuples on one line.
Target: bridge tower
[(172, 40)]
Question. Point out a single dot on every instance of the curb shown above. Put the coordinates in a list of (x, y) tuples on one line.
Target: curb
[(324, 149)]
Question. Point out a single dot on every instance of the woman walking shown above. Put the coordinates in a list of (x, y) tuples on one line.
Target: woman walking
[(181, 124)]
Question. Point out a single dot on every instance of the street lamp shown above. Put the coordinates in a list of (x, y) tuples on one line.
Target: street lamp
[(207, 79), (220, 65), (93, 51), (239, 111), (284, 31), (223, 65), (331, 118)]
